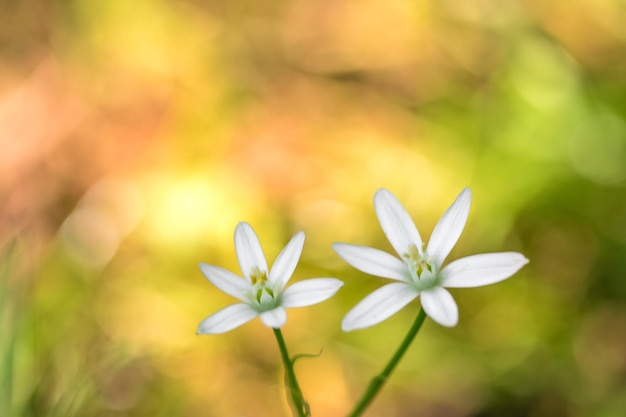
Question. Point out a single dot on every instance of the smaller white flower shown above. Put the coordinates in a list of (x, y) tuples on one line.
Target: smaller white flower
[(261, 290), (419, 270)]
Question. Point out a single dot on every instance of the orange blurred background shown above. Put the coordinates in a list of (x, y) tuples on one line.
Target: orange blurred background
[(136, 135)]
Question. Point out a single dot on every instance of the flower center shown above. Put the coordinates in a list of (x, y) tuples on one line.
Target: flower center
[(424, 273), (263, 296)]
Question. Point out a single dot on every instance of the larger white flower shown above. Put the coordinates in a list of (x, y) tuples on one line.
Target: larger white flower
[(419, 270), (261, 290)]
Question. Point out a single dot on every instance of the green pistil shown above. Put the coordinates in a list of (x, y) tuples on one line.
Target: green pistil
[(421, 266), (415, 259), (423, 273), (264, 296), (260, 290)]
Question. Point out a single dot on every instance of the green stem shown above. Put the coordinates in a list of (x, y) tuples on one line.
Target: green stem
[(299, 405), (379, 380)]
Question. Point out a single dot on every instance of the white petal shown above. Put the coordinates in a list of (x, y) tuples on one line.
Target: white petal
[(378, 306), (310, 291), (372, 261), (396, 222), (287, 260), (440, 306), (248, 248), (484, 269), (227, 319), (274, 318), (226, 281), (449, 228)]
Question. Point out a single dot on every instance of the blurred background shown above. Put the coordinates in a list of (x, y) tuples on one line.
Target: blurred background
[(134, 136)]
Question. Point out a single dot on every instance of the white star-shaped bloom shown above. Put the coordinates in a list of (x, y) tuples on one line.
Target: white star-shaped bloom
[(419, 270), (261, 290)]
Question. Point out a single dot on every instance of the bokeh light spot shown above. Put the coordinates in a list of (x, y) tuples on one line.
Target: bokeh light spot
[(105, 215), (598, 148)]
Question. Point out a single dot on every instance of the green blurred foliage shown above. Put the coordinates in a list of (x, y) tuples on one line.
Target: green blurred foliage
[(135, 135)]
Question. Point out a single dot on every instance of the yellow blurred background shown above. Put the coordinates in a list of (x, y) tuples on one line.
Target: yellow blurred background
[(135, 135)]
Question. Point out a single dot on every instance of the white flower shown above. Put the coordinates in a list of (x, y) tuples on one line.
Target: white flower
[(419, 270), (262, 290)]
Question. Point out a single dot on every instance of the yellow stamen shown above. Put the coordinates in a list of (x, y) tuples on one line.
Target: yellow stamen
[(414, 257), (257, 276)]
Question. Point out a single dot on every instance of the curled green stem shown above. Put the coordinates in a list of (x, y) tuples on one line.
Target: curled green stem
[(299, 405)]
